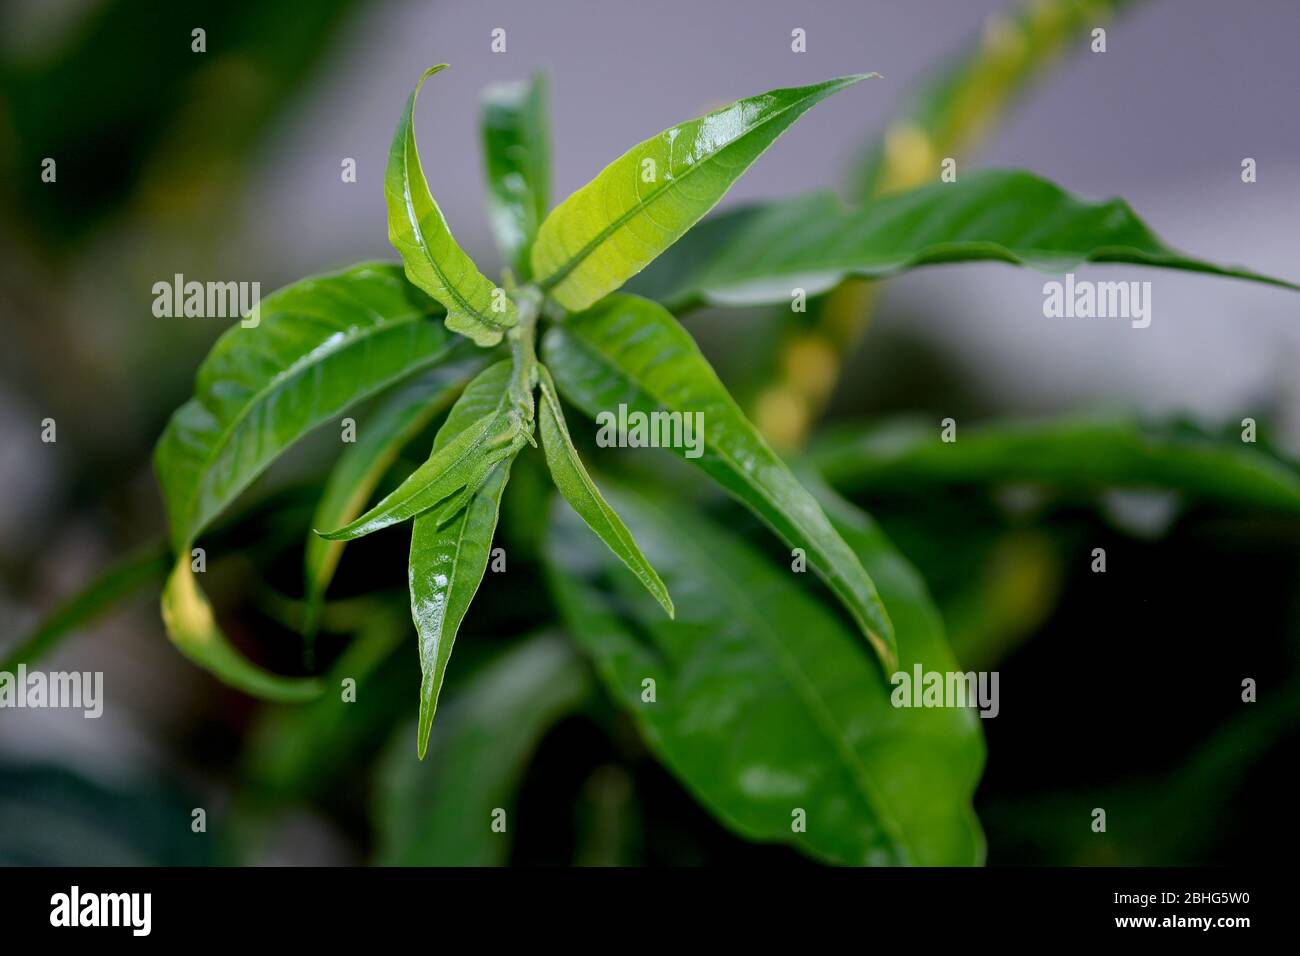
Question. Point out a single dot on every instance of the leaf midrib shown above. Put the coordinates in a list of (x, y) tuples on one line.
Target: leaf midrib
[(722, 277)]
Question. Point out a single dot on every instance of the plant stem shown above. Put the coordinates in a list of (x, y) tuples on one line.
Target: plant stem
[(523, 352)]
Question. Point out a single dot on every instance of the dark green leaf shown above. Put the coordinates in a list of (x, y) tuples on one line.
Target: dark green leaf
[(1073, 454), (475, 306), (440, 812), (629, 351), (584, 497), (764, 702), (516, 149), (759, 254), (642, 202)]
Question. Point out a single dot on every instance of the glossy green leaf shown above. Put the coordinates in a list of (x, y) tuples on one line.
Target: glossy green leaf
[(380, 439), (758, 254), (641, 203), (584, 497), (321, 345), (1075, 454), (439, 812), (192, 627), (516, 149), (446, 568), (475, 306), (448, 559), (764, 701), (464, 461), (629, 351), (115, 584)]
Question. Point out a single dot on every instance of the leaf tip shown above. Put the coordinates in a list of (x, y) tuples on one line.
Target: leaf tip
[(666, 602), (428, 701), (854, 78), (298, 690), (481, 335), (887, 651)]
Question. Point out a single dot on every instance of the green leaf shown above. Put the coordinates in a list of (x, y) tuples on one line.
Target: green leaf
[(380, 439), (629, 351), (448, 559), (758, 254), (1075, 454), (464, 461), (439, 812), (584, 497), (321, 345), (516, 149), (641, 203), (96, 598), (190, 624), (765, 702), (475, 306)]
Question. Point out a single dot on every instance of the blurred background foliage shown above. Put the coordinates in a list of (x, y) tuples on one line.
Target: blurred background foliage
[(1119, 690)]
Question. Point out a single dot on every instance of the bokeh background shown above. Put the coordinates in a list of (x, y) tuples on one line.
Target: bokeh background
[(226, 164)]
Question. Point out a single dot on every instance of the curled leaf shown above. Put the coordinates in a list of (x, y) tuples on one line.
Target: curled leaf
[(475, 306)]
